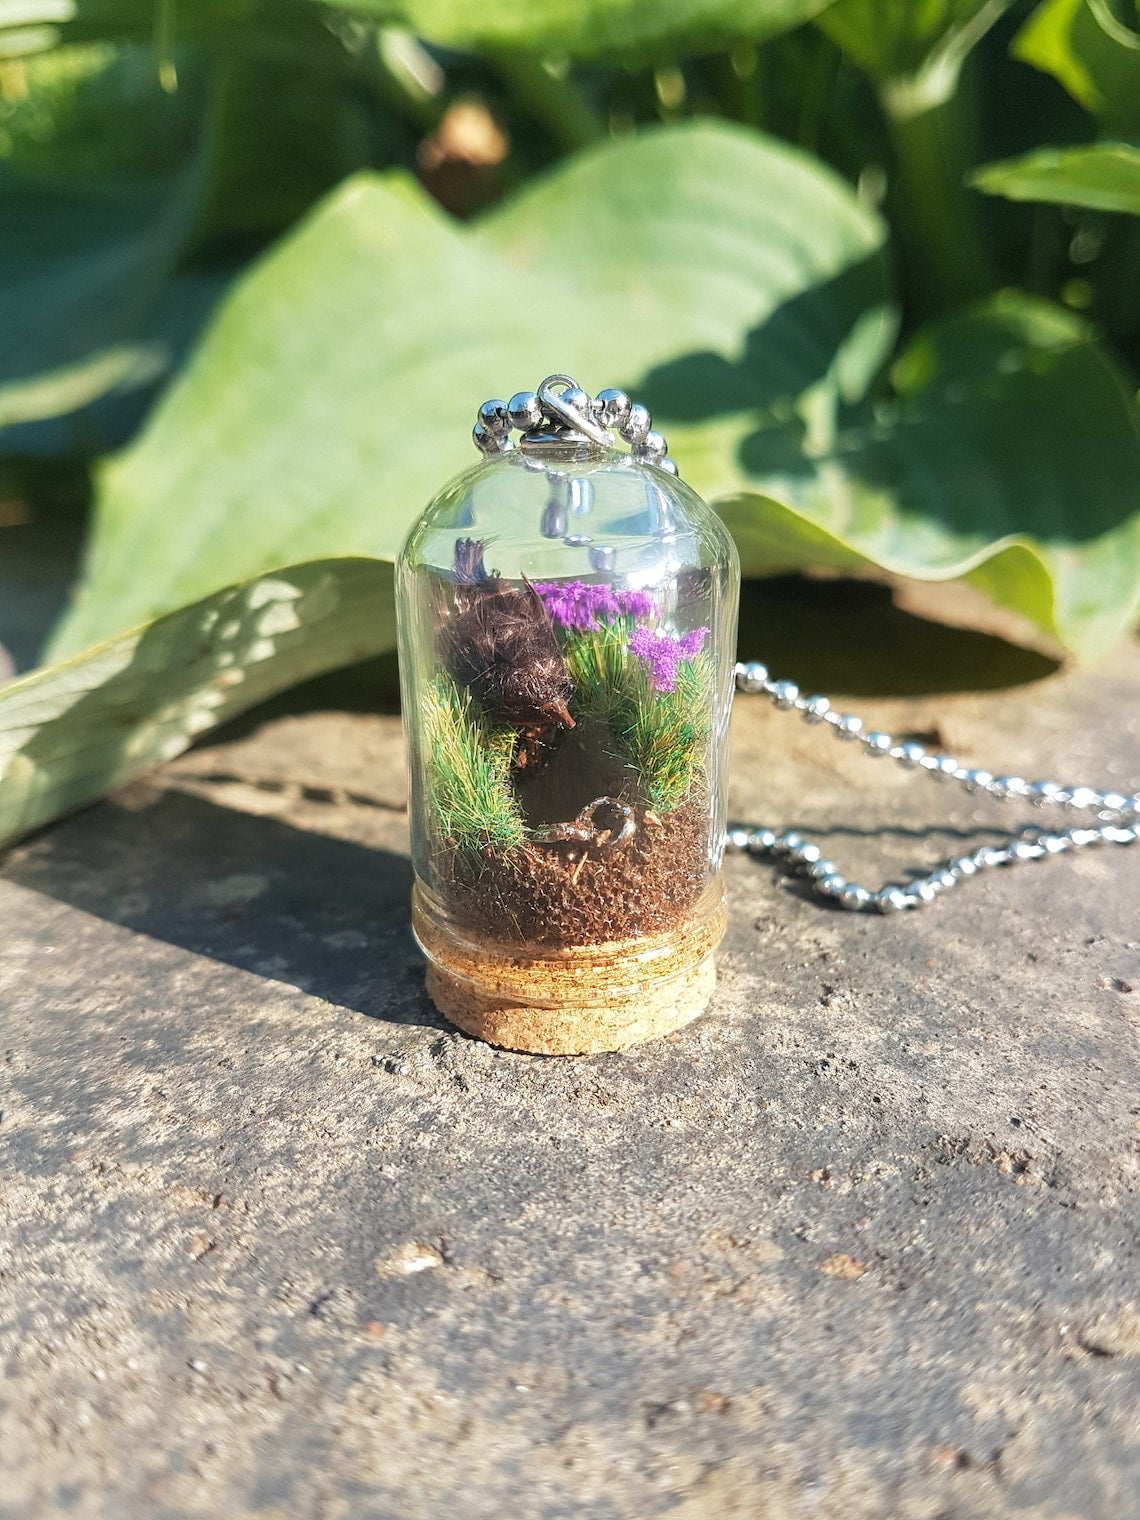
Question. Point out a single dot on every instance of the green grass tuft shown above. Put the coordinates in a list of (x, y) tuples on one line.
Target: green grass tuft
[(598, 661), (661, 736), (471, 795), (664, 734)]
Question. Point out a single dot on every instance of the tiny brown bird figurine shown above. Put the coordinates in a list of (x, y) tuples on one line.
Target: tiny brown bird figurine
[(498, 641)]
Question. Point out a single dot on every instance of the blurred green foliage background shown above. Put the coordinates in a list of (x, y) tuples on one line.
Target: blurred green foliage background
[(873, 264)]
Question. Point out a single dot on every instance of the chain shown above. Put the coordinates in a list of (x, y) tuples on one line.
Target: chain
[(1118, 816)]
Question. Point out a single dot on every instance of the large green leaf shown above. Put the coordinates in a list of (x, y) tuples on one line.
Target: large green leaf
[(732, 280), (1104, 176), (102, 176), (734, 283), (289, 121), (914, 48), (108, 180), (588, 28), (1094, 52), (81, 727), (80, 270), (1009, 455), (336, 390), (32, 26), (893, 37), (580, 28)]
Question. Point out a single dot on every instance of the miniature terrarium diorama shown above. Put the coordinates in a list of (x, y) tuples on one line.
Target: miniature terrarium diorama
[(567, 620)]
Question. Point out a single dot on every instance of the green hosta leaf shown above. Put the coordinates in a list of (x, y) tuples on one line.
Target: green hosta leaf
[(288, 122), (890, 37), (914, 47), (59, 392), (1010, 455), (588, 28), (731, 279), (29, 26), (98, 198), (1104, 176), (79, 272), (73, 731), (98, 202), (1095, 54), (580, 28), (336, 390), (98, 113)]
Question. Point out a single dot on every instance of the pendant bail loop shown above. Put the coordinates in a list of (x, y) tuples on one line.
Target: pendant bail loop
[(574, 415)]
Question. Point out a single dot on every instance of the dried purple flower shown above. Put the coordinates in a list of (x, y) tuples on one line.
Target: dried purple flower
[(663, 652), (638, 604), (576, 604)]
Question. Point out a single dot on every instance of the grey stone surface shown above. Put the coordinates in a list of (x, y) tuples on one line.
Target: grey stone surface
[(861, 1242)]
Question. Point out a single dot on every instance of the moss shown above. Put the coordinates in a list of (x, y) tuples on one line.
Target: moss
[(661, 736), (471, 794)]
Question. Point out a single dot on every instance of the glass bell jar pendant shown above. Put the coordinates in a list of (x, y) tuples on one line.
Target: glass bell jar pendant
[(567, 624)]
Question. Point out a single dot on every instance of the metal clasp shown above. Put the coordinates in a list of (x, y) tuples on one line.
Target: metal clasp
[(581, 422)]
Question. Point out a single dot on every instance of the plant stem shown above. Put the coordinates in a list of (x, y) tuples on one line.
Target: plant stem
[(164, 45), (556, 102), (1046, 251), (737, 79), (937, 216)]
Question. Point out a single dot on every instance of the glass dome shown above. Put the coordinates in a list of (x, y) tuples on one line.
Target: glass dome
[(567, 617)]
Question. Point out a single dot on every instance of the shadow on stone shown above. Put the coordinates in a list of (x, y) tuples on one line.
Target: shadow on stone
[(326, 915), (840, 635)]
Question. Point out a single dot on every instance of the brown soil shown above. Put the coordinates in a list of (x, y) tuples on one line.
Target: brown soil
[(559, 895)]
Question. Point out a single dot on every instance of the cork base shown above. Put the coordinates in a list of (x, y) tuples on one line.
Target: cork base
[(578, 1001)]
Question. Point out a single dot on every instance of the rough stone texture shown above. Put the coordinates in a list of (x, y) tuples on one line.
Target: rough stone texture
[(860, 1242)]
